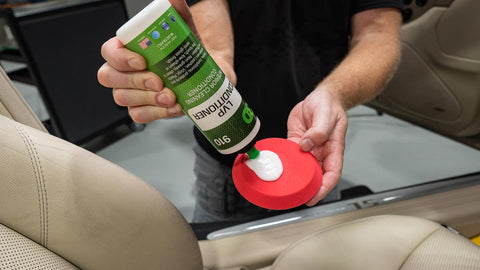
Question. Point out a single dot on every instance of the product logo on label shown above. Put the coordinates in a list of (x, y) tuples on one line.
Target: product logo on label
[(247, 114)]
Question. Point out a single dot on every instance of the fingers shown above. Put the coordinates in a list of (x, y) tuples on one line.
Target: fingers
[(332, 166), (120, 58), (147, 106), (110, 77), (322, 113), (323, 122), (132, 98), (135, 87), (330, 179), (125, 69), (331, 155), (315, 137), (146, 114)]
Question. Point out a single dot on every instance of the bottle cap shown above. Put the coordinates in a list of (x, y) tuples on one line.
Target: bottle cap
[(142, 20), (300, 181)]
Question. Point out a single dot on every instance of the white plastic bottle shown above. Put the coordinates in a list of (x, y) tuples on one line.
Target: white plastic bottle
[(172, 51)]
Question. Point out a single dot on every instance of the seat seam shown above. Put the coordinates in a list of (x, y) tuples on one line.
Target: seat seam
[(43, 184), (418, 245), (332, 227), (6, 109), (316, 233), (22, 135), (40, 181)]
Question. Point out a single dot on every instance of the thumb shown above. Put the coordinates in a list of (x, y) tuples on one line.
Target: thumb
[(315, 137)]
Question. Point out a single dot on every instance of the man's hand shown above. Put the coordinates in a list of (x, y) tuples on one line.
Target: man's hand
[(140, 90), (319, 125), (134, 87)]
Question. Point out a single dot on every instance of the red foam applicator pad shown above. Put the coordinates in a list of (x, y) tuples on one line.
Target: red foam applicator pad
[(299, 182)]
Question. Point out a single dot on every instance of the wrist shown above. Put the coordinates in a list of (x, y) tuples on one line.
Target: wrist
[(333, 94), (225, 65)]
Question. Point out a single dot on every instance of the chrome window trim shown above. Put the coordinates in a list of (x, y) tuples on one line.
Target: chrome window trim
[(349, 205)]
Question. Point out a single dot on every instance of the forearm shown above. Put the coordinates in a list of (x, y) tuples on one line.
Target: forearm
[(373, 57), (212, 20)]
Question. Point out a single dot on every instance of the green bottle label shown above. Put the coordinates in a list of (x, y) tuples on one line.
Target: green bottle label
[(206, 95)]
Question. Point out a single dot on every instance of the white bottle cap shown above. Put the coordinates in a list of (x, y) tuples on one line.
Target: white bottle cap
[(142, 20)]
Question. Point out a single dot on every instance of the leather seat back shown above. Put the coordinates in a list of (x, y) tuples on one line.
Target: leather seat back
[(69, 207), (13, 105), (436, 84)]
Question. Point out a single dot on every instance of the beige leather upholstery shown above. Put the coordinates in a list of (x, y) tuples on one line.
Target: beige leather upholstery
[(436, 84), (383, 243), (87, 210), (14, 106), (19, 252)]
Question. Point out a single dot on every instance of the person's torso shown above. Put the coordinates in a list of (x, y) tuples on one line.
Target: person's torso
[(283, 49)]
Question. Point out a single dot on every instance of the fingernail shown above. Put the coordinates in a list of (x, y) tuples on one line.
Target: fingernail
[(162, 99), (150, 84), (174, 110), (135, 64), (306, 145)]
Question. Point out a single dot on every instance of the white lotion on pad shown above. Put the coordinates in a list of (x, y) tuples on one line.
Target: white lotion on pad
[(267, 166)]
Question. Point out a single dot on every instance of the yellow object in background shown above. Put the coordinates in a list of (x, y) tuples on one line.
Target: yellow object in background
[(476, 240)]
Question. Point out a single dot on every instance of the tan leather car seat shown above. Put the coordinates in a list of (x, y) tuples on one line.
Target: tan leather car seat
[(436, 84), (14, 106), (62, 207), (382, 243), (83, 208)]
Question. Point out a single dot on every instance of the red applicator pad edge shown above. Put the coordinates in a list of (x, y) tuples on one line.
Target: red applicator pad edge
[(299, 182)]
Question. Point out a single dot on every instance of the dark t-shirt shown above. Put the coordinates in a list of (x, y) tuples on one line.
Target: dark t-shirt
[(283, 49)]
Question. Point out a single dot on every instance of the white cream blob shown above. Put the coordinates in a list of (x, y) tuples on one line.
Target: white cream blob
[(267, 166)]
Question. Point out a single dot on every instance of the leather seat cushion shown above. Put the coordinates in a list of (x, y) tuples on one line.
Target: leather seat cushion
[(383, 243)]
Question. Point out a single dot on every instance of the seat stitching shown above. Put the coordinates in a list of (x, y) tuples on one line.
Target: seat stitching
[(332, 227), (33, 161), (418, 245), (22, 135), (43, 183), (315, 234)]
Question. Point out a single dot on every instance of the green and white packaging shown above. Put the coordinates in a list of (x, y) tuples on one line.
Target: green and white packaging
[(172, 51)]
